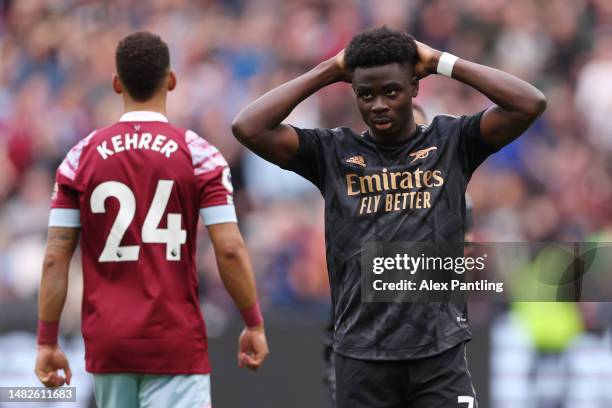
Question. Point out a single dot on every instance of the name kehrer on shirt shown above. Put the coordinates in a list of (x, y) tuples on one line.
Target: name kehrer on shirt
[(133, 141)]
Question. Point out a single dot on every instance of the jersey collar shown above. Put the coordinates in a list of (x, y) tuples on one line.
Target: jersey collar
[(143, 116)]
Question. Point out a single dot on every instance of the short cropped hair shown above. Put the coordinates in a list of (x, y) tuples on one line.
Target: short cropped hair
[(142, 60), (380, 46)]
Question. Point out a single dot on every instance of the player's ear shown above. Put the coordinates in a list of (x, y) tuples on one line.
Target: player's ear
[(415, 86), (117, 84), (171, 81)]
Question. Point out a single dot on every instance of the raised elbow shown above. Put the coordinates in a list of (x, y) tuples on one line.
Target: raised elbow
[(241, 130), (538, 106)]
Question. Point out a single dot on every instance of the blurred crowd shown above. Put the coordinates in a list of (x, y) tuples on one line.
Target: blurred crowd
[(57, 58)]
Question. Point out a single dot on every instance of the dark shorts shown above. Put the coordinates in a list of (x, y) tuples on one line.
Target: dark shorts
[(441, 381)]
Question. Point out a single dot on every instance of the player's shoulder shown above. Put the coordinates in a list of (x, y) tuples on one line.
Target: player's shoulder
[(344, 132), (323, 132), (443, 120), (446, 120), (343, 136), (443, 124), (195, 142), (179, 131), (343, 139), (84, 141), (204, 155), (72, 160), (339, 134)]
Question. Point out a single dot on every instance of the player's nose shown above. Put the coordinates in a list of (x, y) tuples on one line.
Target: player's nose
[(379, 105)]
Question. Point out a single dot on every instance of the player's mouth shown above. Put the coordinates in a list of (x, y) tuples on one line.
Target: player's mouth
[(382, 123)]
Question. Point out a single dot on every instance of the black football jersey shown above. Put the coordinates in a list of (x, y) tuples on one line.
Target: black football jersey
[(413, 191)]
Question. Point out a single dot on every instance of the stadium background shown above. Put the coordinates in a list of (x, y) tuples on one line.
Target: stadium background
[(555, 183)]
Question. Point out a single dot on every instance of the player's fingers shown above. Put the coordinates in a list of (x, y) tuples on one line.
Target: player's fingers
[(251, 362), (259, 358), (52, 380), (40, 373), (43, 377), (57, 380), (241, 359), (253, 367), (245, 360), (68, 373)]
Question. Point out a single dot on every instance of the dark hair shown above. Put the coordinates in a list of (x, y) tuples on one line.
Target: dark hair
[(380, 46), (142, 60)]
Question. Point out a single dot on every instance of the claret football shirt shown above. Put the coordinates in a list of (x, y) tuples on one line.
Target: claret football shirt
[(413, 191), (136, 189)]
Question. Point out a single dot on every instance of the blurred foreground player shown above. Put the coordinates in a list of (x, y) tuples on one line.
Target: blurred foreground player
[(392, 354), (134, 191)]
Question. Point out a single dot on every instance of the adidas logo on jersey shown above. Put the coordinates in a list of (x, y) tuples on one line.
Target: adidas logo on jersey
[(358, 160)]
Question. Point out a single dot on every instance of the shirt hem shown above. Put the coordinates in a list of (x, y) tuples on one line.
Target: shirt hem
[(148, 371), (408, 353)]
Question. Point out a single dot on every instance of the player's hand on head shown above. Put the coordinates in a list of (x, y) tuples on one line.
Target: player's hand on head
[(49, 360), (341, 70), (252, 347), (427, 60)]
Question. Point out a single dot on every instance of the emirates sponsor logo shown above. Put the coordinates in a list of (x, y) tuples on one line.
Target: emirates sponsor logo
[(393, 190)]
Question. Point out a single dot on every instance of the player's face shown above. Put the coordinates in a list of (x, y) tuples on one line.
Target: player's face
[(384, 97)]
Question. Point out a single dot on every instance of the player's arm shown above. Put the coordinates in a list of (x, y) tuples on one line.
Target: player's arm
[(61, 244), (259, 126), (237, 276), (518, 103)]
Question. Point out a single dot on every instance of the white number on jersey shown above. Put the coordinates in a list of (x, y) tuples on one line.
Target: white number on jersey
[(173, 236)]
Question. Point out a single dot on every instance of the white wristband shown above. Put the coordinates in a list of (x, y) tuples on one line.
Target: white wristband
[(446, 64)]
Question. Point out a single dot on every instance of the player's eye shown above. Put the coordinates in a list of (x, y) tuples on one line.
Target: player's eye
[(391, 93), (365, 96)]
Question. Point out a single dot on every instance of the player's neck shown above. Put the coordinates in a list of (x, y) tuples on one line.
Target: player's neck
[(152, 105), (399, 137)]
